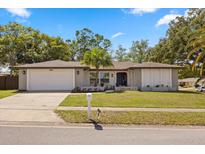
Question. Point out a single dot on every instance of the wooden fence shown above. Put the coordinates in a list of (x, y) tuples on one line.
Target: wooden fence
[(8, 82)]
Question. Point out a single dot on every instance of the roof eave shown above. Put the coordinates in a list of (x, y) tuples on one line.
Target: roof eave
[(22, 67)]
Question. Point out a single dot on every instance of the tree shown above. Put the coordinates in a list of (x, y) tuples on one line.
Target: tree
[(172, 48), (85, 41), (176, 45), (97, 58), (159, 53), (197, 42), (11, 42), (54, 48), (20, 44), (138, 51), (73, 49), (120, 54)]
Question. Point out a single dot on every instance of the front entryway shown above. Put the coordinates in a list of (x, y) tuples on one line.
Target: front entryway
[(121, 79)]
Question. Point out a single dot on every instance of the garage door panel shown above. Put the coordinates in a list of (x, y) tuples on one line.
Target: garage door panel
[(56, 79)]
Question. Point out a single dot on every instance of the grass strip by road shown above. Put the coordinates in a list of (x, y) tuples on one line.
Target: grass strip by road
[(138, 99), (141, 118), (6, 93)]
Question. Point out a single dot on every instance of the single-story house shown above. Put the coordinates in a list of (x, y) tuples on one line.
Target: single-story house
[(188, 82), (63, 75)]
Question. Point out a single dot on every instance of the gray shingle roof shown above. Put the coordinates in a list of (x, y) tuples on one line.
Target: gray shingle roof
[(116, 65), (155, 65), (54, 64)]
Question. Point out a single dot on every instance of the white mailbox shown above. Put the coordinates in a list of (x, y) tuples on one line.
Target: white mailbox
[(89, 99)]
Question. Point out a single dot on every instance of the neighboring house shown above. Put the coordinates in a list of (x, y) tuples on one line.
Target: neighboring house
[(188, 82), (63, 75)]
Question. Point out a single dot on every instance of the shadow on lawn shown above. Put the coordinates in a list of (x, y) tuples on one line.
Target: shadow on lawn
[(174, 92), (114, 92), (186, 92), (96, 125)]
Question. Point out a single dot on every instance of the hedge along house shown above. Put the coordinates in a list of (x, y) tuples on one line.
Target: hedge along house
[(58, 75)]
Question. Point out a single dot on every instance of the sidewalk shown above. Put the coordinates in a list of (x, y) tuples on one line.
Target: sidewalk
[(133, 109)]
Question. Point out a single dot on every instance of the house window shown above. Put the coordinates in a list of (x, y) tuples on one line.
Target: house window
[(93, 78), (104, 78), (78, 72)]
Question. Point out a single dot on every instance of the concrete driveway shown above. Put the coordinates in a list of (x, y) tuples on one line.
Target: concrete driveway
[(31, 107)]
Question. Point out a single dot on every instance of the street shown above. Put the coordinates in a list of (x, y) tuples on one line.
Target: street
[(15, 134)]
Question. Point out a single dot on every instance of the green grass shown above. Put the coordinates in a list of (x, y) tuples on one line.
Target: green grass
[(140, 99), (6, 93), (145, 118)]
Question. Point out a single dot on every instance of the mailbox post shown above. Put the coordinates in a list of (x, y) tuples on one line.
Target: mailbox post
[(89, 99)]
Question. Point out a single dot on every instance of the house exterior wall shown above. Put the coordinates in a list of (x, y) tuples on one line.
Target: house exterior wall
[(134, 78), (129, 78), (79, 77), (22, 79), (86, 78), (174, 79), (138, 78), (156, 77), (112, 78)]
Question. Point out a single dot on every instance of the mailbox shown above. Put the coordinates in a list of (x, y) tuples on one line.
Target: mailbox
[(89, 99)]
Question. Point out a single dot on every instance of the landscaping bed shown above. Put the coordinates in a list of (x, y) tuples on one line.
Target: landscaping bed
[(181, 99), (142, 118)]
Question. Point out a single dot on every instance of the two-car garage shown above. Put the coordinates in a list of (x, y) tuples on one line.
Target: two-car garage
[(54, 75), (48, 79)]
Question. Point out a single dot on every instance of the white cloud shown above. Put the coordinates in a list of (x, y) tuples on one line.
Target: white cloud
[(117, 34), (166, 19), (186, 13), (169, 17), (23, 13), (140, 11)]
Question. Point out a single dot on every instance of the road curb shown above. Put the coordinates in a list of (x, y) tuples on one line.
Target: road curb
[(91, 125)]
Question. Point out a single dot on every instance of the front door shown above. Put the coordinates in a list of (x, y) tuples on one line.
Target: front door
[(121, 79)]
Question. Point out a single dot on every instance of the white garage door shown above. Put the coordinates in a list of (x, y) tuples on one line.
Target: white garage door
[(50, 79), (153, 77)]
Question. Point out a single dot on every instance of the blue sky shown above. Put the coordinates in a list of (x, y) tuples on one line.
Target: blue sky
[(121, 26)]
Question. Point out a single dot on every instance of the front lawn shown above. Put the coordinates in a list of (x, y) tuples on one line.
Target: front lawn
[(145, 118), (140, 99), (6, 93)]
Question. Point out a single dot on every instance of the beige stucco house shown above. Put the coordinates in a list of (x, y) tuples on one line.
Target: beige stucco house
[(62, 75)]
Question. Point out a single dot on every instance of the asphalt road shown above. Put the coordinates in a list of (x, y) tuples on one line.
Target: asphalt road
[(106, 135)]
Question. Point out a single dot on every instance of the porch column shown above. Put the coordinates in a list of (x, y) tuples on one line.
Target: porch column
[(99, 78), (115, 78)]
